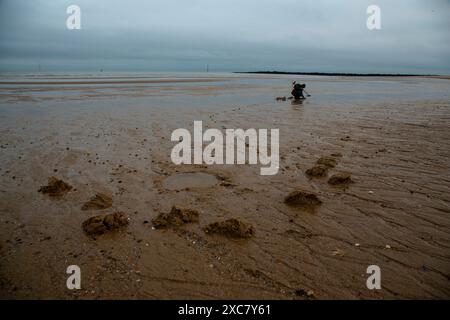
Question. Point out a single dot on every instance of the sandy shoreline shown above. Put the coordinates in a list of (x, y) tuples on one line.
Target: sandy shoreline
[(395, 214)]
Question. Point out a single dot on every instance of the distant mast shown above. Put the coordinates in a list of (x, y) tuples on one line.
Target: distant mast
[(207, 67)]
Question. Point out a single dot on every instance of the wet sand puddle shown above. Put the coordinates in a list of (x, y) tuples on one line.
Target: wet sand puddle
[(182, 181)]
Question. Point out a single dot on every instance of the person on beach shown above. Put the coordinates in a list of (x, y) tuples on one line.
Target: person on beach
[(297, 90)]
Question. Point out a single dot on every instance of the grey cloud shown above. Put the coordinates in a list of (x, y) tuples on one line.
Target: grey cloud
[(230, 35)]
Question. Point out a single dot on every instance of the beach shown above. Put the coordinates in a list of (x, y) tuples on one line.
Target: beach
[(111, 134)]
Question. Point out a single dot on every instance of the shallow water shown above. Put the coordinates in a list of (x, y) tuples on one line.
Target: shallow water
[(215, 90)]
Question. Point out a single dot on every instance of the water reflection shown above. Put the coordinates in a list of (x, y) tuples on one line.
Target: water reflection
[(296, 103)]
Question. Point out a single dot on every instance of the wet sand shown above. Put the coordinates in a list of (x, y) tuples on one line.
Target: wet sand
[(115, 141)]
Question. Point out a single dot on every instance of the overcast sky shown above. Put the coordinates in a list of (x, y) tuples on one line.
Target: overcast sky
[(229, 35)]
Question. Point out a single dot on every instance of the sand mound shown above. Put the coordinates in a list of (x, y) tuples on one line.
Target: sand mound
[(100, 224), (55, 187), (317, 171), (302, 198), (98, 202), (327, 161), (340, 178), (232, 228), (176, 217)]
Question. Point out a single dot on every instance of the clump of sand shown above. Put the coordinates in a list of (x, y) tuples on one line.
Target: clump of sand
[(327, 161), (98, 202), (302, 198), (100, 224), (317, 171), (176, 217), (55, 187), (340, 178), (232, 228)]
